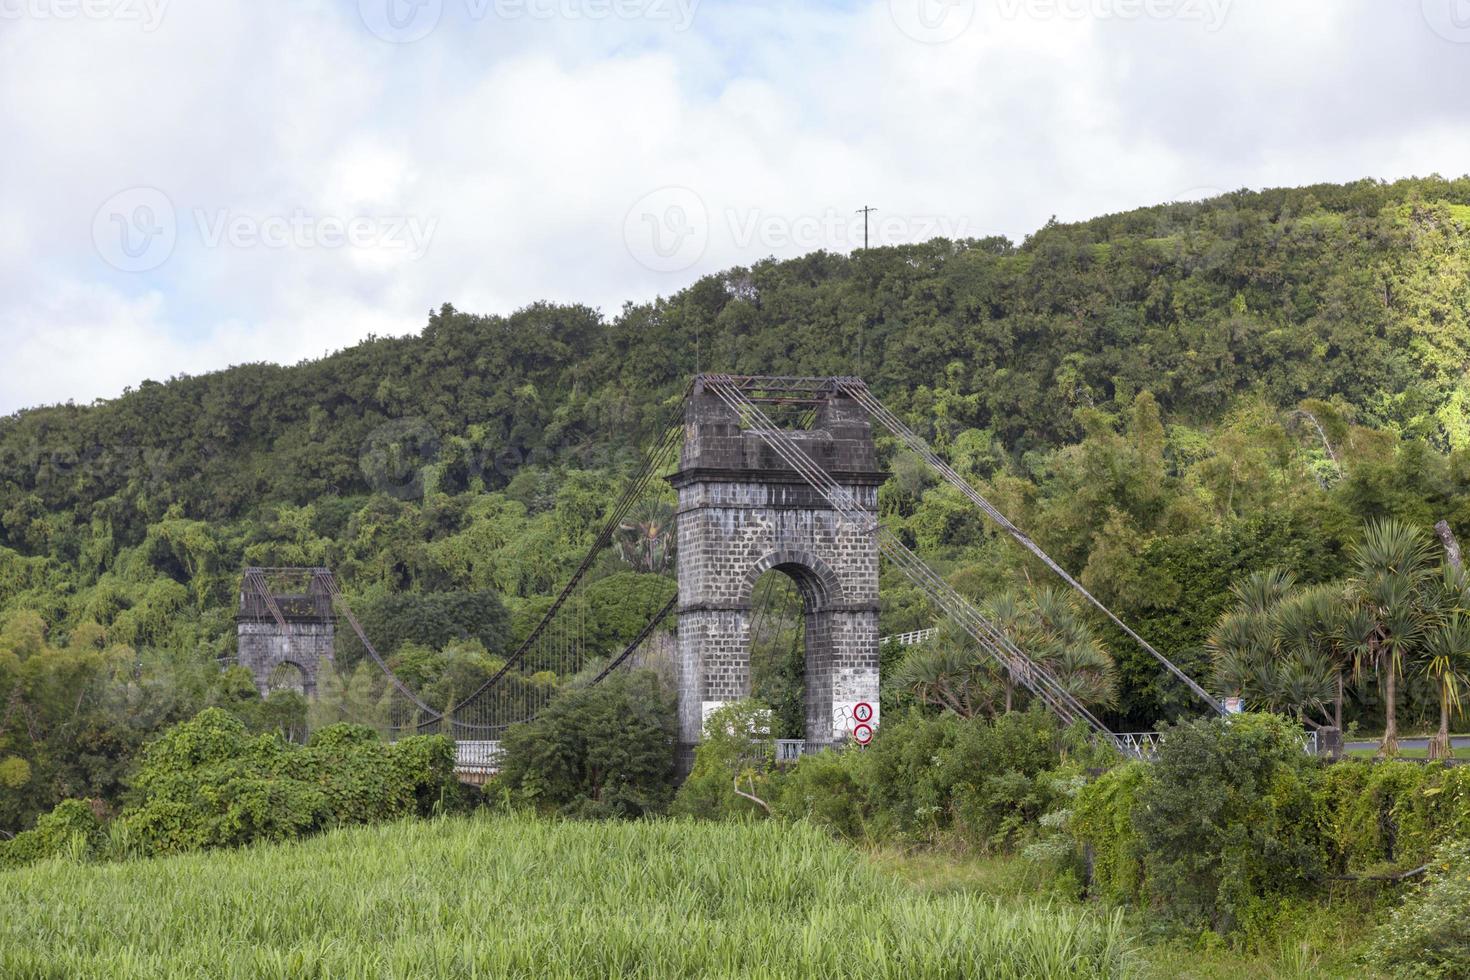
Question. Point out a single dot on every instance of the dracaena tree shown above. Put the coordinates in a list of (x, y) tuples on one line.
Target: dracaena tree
[(1309, 626), (1293, 650), (951, 673), (1272, 648), (1391, 588), (1445, 659), (1060, 638)]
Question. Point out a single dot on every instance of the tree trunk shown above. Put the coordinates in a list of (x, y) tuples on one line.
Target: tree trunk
[(1451, 545), (1390, 744), (751, 795), (1439, 746), (1337, 704)]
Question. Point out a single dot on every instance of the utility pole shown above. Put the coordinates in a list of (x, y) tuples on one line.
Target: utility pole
[(865, 211)]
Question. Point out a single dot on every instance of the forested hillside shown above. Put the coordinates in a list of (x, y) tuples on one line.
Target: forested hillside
[(1167, 399)]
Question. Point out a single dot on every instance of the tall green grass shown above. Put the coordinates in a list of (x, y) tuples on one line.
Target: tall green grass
[(520, 897)]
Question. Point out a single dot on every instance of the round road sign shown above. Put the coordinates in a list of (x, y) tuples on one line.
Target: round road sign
[(863, 734), (862, 711)]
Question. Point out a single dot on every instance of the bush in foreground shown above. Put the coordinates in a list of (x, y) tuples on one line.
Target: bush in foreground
[(984, 783), (1234, 821), (1429, 935), (71, 827), (605, 750), (208, 783)]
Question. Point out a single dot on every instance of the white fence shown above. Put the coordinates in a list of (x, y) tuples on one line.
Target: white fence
[(1145, 745), (910, 638), (476, 756), (790, 749)]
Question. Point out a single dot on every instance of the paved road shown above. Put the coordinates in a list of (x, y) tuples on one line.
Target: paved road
[(1459, 741)]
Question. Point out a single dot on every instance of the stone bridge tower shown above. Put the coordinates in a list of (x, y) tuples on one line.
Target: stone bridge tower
[(743, 511), (285, 627)]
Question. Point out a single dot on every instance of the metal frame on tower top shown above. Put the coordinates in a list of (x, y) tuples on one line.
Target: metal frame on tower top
[(776, 389)]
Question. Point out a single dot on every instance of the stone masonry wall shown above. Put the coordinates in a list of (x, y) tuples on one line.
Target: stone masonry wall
[(743, 512), (264, 646)]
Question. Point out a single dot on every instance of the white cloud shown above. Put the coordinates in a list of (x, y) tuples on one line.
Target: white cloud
[(521, 143)]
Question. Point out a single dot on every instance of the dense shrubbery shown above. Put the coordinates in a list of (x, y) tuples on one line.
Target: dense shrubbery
[(925, 778), (209, 783), (1231, 824), (1234, 817), (1429, 935), (595, 751), (431, 620), (1224, 816), (69, 828)]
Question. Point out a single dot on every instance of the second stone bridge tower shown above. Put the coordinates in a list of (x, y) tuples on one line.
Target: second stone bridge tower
[(743, 511)]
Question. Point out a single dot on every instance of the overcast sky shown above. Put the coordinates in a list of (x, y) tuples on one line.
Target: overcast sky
[(189, 184)]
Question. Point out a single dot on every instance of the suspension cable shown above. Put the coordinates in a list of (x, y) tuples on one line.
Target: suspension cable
[(991, 640), (858, 390), (638, 640), (647, 473)]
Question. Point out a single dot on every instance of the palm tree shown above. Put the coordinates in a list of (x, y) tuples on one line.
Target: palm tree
[(1258, 593), (1060, 639), (948, 671), (1392, 569), (1309, 626), (1008, 614), (1243, 643), (1447, 663), (645, 537), (1278, 648)]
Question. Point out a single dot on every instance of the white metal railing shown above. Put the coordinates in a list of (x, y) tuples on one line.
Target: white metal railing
[(1145, 745), (485, 756), (790, 749), (477, 756), (910, 638), (1139, 745)]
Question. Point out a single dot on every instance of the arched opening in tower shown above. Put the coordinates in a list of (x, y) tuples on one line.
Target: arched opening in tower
[(778, 618)]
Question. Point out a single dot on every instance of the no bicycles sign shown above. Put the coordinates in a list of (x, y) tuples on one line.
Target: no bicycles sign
[(862, 714)]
